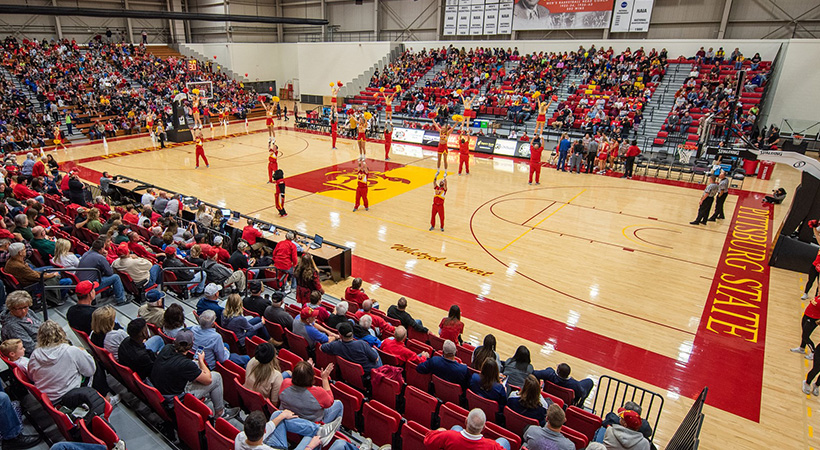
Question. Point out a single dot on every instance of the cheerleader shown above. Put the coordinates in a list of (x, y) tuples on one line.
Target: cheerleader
[(279, 177), (273, 155)]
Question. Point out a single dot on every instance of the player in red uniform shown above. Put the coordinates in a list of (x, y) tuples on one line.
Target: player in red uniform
[(440, 190), (463, 149), (273, 162), (361, 187), (443, 134), (279, 177), (535, 160), (334, 126), (200, 150), (388, 140)]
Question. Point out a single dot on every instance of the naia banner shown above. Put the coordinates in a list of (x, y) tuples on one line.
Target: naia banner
[(561, 14)]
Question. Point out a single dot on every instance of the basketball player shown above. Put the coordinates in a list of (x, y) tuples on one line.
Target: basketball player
[(723, 192), (195, 110), (269, 119), (279, 177), (273, 154), (443, 134), (536, 150), (706, 201), (463, 149), (200, 150), (388, 140), (334, 125), (362, 135), (542, 117), (361, 187), (439, 191)]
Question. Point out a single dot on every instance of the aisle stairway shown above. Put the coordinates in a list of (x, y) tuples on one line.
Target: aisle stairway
[(661, 104)]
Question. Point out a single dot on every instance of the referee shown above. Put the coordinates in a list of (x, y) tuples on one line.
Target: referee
[(723, 192), (706, 201)]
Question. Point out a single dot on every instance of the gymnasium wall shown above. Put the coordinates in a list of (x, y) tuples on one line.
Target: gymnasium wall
[(794, 94)]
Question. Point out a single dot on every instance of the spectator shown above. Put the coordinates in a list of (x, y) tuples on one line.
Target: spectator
[(458, 438), (173, 320), (549, 436), (612, 418), (285, 259), (378, 321), (13, 350), (243, 327), (174, 374), (207, 339), (95, 259), (57, 368), (399, 312), (529, 402), (307, 278), (255, 302), (322, 313), (364, 331), (395, 346), (79, 315), (313, 403), (12, 429), (210, 300), (263, 374), (305, 325), (354, 293), (261, 434), (356, 351), (197, 279), (239, 259), (250, 233), (518, 368), (488, 384), (485, 351), (17, 267), (142, 272), (275, 313), (339, 316), (103, 334), (63, 256), (41, 242), (222, 275), (18, 321), (561, 378), (451, 327), (153, 310), (139, 352), (625, 435), (445, 366)]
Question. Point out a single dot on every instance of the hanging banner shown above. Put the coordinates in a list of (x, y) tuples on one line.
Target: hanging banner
[(631, 16), (477, 19), (450, 20), (463, 27), (505, 17), (622, 16), (641, 14), (491, 19), (561, 14)]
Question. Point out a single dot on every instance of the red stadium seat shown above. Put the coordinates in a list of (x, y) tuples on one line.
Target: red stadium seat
[(251, 343), (576, 437), (64, 423), (412, 435), (100, 433), (155, 400), (451, 414), (446, 391), (191, 416), (464, 352), (419, 406), (516, 422), (291, 358), (418, 347), (324, 359), (386, 391), (490, 407), (352, 401), (414, 378), (553, 398), (352, 373), (389, 359), (381, 422), (221, 435), (583, 422), (229, 337), (229, 392), (252, 400), (436, 341), (493, 431), (275, 330), (565, 394), (297, 344)]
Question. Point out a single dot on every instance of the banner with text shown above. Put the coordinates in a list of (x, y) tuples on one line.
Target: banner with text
[(631, 16), (477, 17), (561, 14)]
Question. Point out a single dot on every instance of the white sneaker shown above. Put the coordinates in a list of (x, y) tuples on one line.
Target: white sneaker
[(815, 391), (810, 356), (327, 430), (114, 400), (804, 297), (806, 388), (797, 350), (367, 444)]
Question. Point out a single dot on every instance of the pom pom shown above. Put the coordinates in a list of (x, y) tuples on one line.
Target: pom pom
[(368, 116), (458, 118), (536, 94), (381, 89), (195, 91), (262, 98), (275, 99), (185, 90), (331, 84), (398, 88), (555, 98), (339, 83), (458, 91), (270, 88)]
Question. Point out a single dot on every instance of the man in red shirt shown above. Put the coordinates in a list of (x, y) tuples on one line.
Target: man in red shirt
[(535, 160), (459, 438), (378, 321), (631, 153), (395, 346), (39, 169), (250, 234), (22, 192), (355, 294), (222, 254), (284, 257)]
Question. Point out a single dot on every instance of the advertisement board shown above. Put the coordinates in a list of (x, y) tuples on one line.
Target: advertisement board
[(411, 135), (561, 14), (430, 138), (505, 147), (485, 145)]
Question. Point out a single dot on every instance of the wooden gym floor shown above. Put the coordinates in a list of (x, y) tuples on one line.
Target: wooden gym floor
[(603, 273)]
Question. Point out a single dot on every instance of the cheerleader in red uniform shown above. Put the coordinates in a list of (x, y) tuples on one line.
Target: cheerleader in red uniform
[(439, 190), (200, 151), (279, 177), (388, 140), (273, 162), (463, 149), (388, 103), (542, 115), (443, 134), (361, 187), (58, 138), (334, 125), (269, 119)]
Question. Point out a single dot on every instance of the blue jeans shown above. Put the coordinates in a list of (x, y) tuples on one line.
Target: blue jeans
[(154, 274), (116, 284), (241, 360), (258, 329), (155, 343), (10, 426), (199, 281), (302, 427), (342, 445), (333, 411), (562, 160), (65, 445), (501, 441)]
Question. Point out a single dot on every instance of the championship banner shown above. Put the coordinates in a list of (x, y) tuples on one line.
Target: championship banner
[(641, 15), (631, 16), (561, 14)]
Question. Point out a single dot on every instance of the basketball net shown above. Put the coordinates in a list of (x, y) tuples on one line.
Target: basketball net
[(685, 153)]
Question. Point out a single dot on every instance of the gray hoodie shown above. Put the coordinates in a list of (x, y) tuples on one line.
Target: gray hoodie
[(24, 329), (59, 369), (618, 437)]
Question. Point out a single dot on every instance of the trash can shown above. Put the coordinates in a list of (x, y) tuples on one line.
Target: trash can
[(750, 166), (766, 168)]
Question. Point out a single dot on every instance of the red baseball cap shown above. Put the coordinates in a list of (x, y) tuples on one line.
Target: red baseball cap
[(170, 250), (308, 312), (123, 249), (631, 418), (84, 287)]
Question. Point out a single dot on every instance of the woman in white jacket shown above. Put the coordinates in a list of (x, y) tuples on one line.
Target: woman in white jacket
[(59, 370)]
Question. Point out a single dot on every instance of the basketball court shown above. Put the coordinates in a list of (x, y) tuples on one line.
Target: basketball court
[(603, 273)]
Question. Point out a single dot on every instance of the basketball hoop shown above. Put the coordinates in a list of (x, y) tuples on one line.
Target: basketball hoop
[(685, 153), (206, 89)]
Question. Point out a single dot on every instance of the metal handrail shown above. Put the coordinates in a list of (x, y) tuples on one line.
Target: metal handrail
[(617, 398), (60, 287)]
